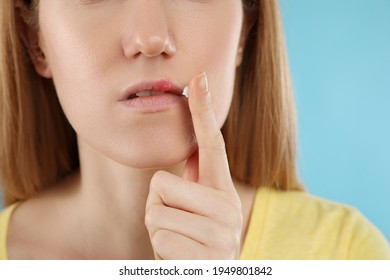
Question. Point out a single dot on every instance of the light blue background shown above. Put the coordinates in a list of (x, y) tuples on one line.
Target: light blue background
[(339, 52)]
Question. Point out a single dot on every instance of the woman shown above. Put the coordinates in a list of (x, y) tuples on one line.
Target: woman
[(102, 156)]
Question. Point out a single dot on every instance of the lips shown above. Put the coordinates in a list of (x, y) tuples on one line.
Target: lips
[(151, 97), (149, 88)]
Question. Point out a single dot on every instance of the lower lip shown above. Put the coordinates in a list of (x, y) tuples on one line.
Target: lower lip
[(154, 103)]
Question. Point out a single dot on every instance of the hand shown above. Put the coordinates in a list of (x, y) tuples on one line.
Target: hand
[(197, 216)]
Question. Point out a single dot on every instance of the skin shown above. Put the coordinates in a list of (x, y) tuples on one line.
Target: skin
[(150, 185)]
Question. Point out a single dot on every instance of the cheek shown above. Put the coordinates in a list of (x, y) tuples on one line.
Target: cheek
[(76, 57), (218, 56), (76, 49), (214, 41), (222, 83)]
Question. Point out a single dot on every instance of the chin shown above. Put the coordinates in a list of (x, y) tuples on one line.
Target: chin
[(160, 143), (161, 156), (154, 141)]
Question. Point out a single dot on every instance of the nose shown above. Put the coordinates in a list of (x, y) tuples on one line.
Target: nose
[(147, 32)]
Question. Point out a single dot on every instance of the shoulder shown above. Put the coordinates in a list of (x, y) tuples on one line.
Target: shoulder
[(5, 216), (308, 227)]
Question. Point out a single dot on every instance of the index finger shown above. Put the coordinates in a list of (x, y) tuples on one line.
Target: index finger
[(213, 166)]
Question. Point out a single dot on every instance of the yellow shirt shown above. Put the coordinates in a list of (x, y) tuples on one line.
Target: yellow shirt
[(294, 225), (5, 216)]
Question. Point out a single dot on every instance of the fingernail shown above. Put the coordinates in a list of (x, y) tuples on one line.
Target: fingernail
[(203, 83)]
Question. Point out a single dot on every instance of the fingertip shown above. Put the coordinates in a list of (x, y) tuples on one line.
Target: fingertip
[(199, 84)]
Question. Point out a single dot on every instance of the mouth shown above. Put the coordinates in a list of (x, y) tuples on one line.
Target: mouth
[(150, 88), (149, 93)]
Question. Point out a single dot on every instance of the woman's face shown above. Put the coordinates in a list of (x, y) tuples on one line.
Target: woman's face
[(98, 52)]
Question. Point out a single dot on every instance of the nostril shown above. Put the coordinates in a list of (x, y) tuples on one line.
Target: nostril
[(156, 45), (151, 45)]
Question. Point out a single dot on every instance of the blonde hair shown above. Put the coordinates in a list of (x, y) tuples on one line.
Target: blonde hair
[(260, 131), (38, 146)]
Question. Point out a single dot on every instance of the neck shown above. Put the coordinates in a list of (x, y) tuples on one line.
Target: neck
[(111, 199)]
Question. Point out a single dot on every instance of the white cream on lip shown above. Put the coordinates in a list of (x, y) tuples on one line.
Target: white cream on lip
[(186, 91)]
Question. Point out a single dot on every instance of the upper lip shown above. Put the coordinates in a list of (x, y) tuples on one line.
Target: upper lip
[(162, 85)]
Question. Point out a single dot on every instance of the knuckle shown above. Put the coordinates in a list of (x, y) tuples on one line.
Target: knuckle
[(156, 179), (158, 175), (158, 237), (151, 216)]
